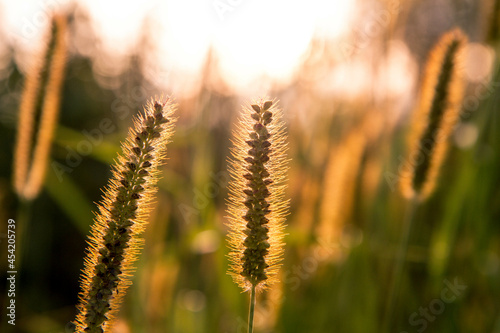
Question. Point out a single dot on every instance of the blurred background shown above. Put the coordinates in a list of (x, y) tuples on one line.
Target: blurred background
[(347, 75)]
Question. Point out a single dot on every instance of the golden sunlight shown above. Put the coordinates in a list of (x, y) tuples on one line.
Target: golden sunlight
[(251, 39)]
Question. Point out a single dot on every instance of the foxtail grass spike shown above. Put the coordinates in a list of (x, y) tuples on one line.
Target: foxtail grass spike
[(41, 97), (256, 204), (116, 234), (437, 113)]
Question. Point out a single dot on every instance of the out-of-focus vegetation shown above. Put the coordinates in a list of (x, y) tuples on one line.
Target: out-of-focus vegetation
[(345, 146)]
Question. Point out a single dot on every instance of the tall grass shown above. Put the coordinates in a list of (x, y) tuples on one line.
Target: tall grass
[(438, 111), (256, 204), (116, 235), (336, 263), (36, 123), (40, 101)]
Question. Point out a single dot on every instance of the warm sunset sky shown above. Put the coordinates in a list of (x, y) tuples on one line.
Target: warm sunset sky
[(251, 37)]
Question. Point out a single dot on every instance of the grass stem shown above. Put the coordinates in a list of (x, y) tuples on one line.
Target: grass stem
[(398, 271), (23, 220), (252, 310)]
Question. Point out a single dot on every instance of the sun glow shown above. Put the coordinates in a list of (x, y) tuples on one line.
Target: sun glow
[(250, 39)]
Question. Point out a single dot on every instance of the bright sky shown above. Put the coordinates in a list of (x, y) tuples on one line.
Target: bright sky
[(251, 38)]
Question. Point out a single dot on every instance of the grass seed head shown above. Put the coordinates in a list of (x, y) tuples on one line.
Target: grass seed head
[(256, 203), (40, 98), (115, 237), (437, 113)]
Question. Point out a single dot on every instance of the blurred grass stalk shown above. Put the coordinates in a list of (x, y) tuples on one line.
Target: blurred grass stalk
[(437, 113), (38, 114), (39, 109)]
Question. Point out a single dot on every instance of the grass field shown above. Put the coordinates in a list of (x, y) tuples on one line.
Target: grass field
[(347, 111)]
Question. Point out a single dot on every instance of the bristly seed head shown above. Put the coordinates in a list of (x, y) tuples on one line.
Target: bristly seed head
[(38, 113), (438, 111), (256, 204), (115, 237)]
